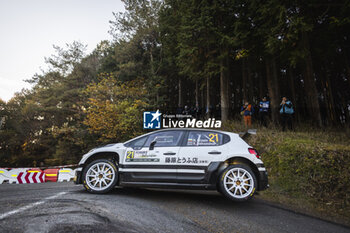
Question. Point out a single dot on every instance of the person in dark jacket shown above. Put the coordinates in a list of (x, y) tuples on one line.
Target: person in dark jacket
[(247, 111), (286, 111), (264, 108)]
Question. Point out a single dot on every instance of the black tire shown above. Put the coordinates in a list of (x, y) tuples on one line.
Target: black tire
[(100, 176), (240, 188)]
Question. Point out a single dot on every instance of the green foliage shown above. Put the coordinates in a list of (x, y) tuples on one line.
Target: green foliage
[(114, 108), (66, 59), (136, 34), (307, 165), (44, 125)]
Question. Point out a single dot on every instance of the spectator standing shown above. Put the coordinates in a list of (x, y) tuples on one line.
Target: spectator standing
[(179, 110), (264, 108), (247, 111), (286, 111), (196, 111), (186, 110)]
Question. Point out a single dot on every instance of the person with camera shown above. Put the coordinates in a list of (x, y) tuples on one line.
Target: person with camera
[(247, 111), (264, 107), (286, 111)]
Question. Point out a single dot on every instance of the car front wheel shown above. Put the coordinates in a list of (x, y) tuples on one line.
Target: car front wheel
[(100, 176), (238, 182)]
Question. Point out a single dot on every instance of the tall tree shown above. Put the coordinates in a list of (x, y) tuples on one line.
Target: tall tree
[(138, 26)]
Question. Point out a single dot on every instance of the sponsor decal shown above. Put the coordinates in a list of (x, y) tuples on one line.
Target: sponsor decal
[(194, 160), (142, 160), (155, 120), (140, 156)]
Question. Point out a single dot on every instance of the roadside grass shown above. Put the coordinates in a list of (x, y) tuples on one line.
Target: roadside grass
[(309, 168)]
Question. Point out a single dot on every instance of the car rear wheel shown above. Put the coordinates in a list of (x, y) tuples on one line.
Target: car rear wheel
[(100, 176), (238, 182)]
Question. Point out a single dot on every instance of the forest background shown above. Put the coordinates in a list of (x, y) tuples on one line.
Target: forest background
[(209, 54)]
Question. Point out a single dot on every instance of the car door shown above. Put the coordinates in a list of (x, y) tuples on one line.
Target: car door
[(199, 149), (152, 162)]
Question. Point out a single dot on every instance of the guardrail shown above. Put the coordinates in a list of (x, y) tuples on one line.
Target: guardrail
[(37, 175)]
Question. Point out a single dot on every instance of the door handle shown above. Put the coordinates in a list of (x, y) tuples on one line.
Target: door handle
[(169, 153), (214, 152)]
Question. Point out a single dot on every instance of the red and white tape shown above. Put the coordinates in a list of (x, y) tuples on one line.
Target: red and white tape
[(43, 168)]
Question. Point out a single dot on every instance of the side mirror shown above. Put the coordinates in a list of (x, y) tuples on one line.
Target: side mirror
[(151, 146)]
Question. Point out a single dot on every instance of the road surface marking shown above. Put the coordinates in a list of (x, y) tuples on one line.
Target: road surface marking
[(5, 215)]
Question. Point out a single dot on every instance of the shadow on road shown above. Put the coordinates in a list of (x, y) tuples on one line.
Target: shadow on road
[(209, 198), (206, 200)]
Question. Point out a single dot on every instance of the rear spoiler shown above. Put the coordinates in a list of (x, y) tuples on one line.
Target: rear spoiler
[(245, 135)]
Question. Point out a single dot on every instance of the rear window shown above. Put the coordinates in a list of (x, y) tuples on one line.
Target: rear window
[(204, 138)]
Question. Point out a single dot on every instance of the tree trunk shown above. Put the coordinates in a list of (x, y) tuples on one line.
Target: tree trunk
[(228, 87), (348, 78), (244, 81), (202, 105), (273, 89), (262, 92), (292, 88), (197, 94), (313, 105), (208, 110), (249, 87), (153, 75), (180, 102), (275, 79), (224, 100), (233, 91), (330, 107), (347, 66)]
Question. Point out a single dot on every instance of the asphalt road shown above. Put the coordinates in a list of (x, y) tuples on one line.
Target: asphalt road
[(65, 207)]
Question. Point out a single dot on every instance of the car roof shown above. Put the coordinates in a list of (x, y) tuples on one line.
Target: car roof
[(187, 129), (179, 129)]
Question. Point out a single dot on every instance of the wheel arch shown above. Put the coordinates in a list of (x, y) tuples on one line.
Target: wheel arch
[(114, 156)]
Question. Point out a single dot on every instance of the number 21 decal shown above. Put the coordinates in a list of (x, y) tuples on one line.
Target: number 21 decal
[(130, 155), (212, 136)]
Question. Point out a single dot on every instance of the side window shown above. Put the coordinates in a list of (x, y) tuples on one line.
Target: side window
[(167, 138), (137, 143), (204, 138)]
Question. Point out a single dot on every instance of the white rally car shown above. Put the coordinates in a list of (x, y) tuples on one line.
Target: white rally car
[(176, 158)]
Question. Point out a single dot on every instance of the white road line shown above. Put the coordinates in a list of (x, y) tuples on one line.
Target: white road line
[(5, 215)]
